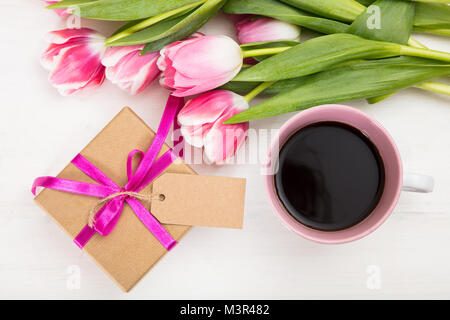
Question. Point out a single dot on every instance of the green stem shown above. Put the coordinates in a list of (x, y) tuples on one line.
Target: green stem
[(414, 43), (442, 32), (260, 88), (434, 87), (425, 53), (263, 52), (152, 20), (430, 85)]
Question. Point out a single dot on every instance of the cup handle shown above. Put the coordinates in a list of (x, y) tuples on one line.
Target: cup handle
[(417, 183)]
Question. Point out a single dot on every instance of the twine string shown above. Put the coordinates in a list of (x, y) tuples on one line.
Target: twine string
[(139, 196)]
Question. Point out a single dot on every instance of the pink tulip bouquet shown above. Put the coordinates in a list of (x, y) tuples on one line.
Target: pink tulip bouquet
[(78, 59), (220, 76)]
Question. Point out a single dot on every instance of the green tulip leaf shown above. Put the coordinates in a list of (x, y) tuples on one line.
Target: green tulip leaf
[(441, 32), (428, 16), (172, 29), (153, 32), (123, 10), (388, 27), (344, 10), (181, 34), (321, 53), (356, 81), (281, 11), (432, 16), (316, 55), (366, 2), (69, 3), (127, 25), (243, 88)]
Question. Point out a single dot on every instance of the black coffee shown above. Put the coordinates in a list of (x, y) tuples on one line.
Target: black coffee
[(330, 176)]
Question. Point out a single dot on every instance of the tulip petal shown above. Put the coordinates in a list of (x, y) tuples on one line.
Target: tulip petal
[(205, 108), (114, 54), (266, 29), (195, 135), (199, 64), (168, 52), (145, 76), (130, 70), (200, 85), (48, 58), (95, 81), (134, 72), (97, 78), (74, 67), (64, 35), (130, 65), (74, 59), (211, 56), (223, 140), (236, 18), (171, 50)]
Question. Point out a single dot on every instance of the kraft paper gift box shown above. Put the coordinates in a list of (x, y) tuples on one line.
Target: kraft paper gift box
[(131, 250)]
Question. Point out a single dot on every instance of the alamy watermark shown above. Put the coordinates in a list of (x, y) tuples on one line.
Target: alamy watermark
[(374, 20), (73, 281), (373, 281), (254, 150), (73, 21)]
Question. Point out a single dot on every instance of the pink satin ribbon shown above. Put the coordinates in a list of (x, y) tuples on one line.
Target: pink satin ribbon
[(148, 169)]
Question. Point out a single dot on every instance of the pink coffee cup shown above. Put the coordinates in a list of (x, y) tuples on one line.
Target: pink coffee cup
[(394, 183)]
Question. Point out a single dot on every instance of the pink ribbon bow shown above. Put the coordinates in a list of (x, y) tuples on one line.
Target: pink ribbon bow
[(148, 169)]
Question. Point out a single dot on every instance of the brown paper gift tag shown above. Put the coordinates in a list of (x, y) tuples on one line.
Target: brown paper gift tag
[(199, 200)]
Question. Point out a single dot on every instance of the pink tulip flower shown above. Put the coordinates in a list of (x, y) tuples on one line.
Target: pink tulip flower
[(201, 121), (128, 69), (266, 29), (60, 12), (199, 64), (74, 59)]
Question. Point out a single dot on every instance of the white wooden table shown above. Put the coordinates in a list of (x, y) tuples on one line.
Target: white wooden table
[(40, 132)]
